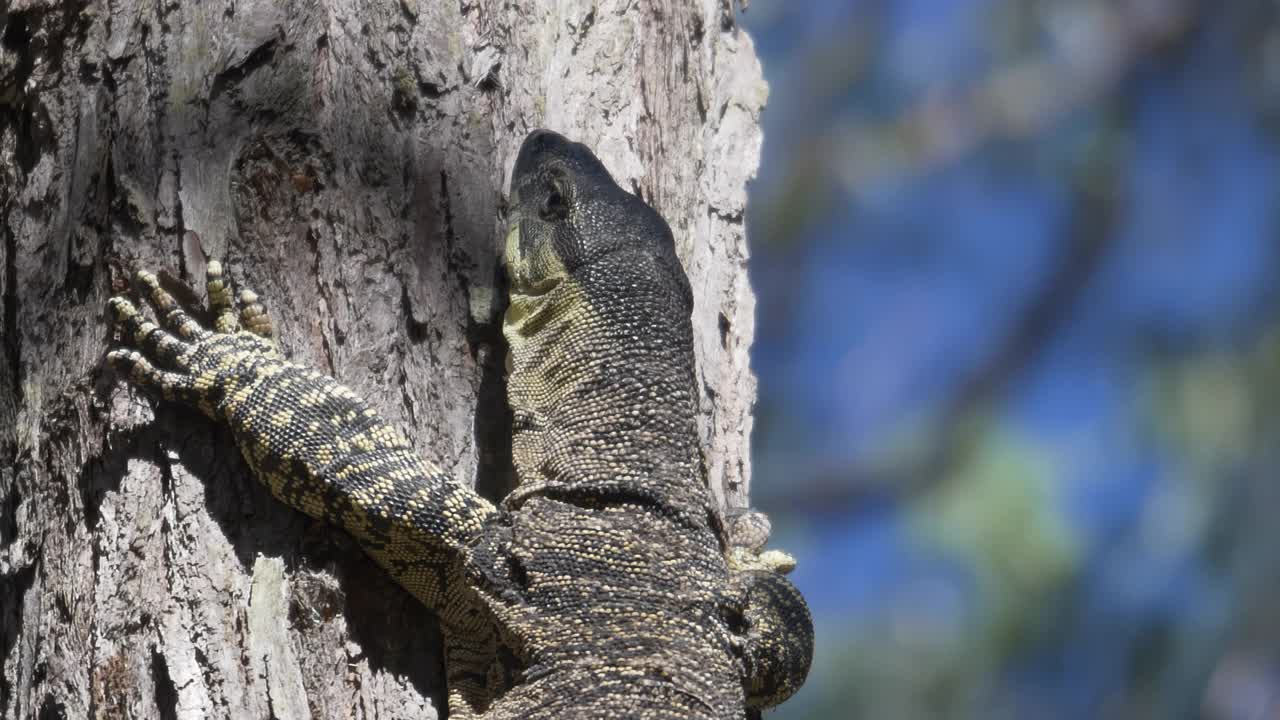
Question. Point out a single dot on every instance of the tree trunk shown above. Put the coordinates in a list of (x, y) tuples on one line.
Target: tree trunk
[(347, 159)]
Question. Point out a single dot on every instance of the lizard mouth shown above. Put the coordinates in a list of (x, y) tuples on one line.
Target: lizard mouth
[(520, 269), (536, 288), (529, 308)]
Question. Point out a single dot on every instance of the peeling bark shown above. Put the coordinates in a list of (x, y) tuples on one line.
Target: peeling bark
[(347, 160)]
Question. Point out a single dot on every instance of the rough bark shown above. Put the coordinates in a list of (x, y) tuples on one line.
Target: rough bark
[(347, 159)]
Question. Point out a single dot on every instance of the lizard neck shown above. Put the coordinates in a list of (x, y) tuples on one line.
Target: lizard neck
[(602, 388)]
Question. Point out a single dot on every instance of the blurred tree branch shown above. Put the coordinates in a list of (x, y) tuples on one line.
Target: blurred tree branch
[(956, 427)]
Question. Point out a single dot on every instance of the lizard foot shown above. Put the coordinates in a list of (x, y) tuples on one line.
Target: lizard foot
[(179, 359), (772, 626), (773, 634)]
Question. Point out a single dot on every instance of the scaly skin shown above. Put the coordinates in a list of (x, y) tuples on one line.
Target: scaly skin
[(605, 584)]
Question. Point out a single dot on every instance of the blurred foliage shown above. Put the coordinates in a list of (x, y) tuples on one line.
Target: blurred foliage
[(1220, 409), (1004, 556), (998, 517), (1018, 264)]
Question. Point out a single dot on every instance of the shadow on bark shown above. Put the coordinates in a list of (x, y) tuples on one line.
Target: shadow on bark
[(329, 574)]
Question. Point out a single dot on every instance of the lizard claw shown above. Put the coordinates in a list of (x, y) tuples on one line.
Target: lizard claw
[(252, 316)]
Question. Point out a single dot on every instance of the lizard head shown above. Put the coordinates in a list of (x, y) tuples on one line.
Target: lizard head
[(568, 217)]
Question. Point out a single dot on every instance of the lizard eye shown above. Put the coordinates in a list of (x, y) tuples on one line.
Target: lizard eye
[(555, 206)]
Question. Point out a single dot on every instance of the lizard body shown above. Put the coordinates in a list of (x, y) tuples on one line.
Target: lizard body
[(605, 583)]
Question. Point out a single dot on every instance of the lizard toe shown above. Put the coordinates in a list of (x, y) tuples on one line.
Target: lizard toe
[(254, 317), (167, 309), (221, 302)]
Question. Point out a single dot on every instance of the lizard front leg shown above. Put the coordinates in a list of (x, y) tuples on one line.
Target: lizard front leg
[(314, 443)]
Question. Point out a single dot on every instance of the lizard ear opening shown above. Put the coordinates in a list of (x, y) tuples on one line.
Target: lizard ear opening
[(555, 203), (773, 632)]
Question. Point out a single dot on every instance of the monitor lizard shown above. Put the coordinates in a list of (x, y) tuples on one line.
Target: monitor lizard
[(605, 583)]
